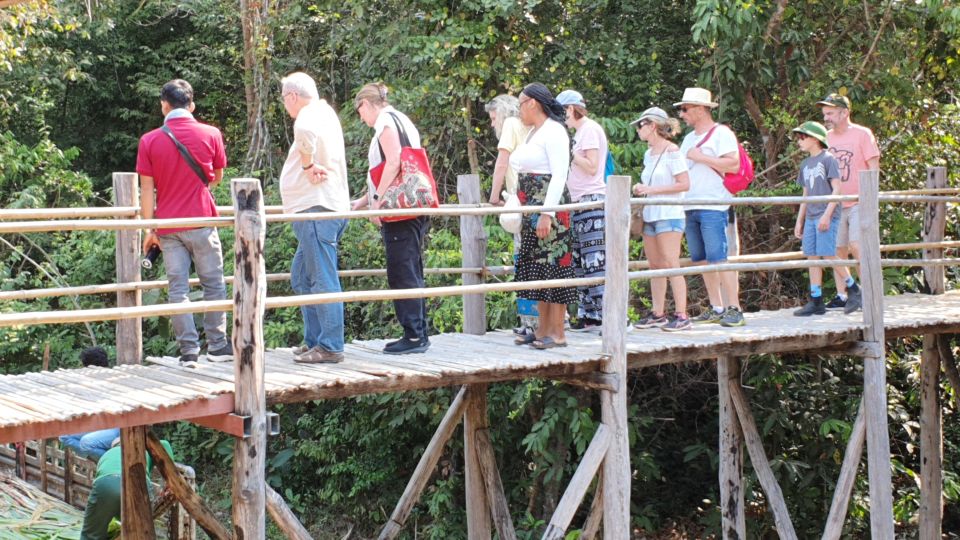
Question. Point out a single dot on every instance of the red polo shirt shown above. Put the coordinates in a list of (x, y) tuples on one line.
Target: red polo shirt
[(180, 193)]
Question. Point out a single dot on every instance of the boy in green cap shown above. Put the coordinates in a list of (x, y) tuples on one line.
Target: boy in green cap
[(818, 223)]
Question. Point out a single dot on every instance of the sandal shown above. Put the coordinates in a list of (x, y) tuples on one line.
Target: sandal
[(525, 339), (547, 342)]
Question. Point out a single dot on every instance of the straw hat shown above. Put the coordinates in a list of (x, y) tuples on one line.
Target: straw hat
[(697, 96)]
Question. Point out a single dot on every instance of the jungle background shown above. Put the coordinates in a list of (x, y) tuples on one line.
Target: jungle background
[(80, 83)]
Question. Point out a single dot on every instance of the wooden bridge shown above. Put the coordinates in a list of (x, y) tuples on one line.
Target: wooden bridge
[(234, 397)]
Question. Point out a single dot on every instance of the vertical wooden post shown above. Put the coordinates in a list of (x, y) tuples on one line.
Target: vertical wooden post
[(137, 518), (473, 239), (931, 423), (733, 522), (475, 419), (616, 465), (875, 370), (68, 476), (249, 295)]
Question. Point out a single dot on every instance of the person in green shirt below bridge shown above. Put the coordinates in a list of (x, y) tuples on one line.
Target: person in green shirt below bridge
[(104, 502)]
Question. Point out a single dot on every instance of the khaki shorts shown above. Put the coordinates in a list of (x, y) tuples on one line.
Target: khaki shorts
[(849, 226)]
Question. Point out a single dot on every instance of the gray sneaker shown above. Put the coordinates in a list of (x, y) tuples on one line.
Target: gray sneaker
[(677, 324), (732, 317), (317, 355), (708, 317), (854, 299)]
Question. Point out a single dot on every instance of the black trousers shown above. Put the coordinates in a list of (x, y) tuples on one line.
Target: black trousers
[(403, 242)]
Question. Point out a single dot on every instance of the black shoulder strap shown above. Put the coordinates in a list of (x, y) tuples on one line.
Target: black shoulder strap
[(402, 133), (186, 156)]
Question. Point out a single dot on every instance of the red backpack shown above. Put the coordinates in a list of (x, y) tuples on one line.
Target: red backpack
[(735, 182)]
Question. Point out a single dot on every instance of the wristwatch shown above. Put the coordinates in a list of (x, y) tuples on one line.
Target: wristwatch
[(308, 166)]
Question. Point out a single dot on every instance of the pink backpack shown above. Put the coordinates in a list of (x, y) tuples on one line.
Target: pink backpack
[(735, 182)]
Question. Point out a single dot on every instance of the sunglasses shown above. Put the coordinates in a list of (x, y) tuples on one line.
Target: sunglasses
[(684, 108), (357, 108), (643, 123), (801, 136)]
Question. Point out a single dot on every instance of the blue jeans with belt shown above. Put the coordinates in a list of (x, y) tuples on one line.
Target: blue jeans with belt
[(403, 243), (314, 271)]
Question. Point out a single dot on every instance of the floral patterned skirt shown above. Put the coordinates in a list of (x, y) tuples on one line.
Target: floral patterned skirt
[(547, 258)]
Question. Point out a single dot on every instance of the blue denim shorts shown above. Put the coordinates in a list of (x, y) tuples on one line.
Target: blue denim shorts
[(660, 226), (707, 235), (818, 243)]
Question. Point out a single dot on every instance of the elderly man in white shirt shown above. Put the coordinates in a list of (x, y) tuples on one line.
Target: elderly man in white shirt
[(314, 180)]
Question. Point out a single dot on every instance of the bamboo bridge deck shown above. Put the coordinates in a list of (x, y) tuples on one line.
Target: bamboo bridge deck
[(47, 404)]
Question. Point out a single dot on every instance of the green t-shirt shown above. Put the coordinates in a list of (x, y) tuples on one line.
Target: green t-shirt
[(111, 461)]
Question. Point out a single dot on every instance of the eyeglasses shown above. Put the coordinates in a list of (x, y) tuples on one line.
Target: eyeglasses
[(800, 136), (525, 101), (643, 123), (285, 94), (357, 108), (684, 108)]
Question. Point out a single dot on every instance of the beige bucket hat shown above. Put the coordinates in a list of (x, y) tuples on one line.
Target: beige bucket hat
[(697, 96)]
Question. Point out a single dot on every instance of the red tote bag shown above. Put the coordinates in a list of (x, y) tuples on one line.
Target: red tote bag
[(414, 186)]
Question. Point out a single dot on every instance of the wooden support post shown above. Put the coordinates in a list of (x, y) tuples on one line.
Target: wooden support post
[(875, 370), (285, 519), (931, 426), (591, 527), (499, 510), (249, 295), (187, 497), (732, 511), (475, 420), (473, 238), (579, 484), (751, 435), (428, 462), (68, 476), (616, 465), (137, 519), (848, 474)]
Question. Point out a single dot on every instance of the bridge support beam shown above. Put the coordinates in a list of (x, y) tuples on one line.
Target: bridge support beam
[(249, 297), (875, 370), (733, 518), (616, 464)]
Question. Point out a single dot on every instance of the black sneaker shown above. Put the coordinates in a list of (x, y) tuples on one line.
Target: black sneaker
[(732, 317), (586, 323), (813, 307), (407, 346), (854, 299), (188, 360), (836, 303), (223, 354)]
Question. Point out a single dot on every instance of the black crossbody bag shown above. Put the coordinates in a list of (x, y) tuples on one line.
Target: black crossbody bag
[(187, 157)]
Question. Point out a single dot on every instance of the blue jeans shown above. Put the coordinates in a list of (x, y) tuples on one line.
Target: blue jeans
[(314, 271), (202, 248), (706, 233), (90, 445)]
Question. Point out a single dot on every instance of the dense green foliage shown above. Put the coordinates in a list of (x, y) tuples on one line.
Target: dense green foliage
[(78, 88)]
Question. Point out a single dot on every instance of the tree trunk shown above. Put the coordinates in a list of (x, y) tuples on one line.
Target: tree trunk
[(257, 40)]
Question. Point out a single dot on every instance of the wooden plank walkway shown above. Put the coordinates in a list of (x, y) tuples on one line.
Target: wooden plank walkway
[(47, 404)]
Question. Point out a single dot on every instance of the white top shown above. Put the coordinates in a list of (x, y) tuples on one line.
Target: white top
[(545, 152), (384, 119), (705, 182), (316, 132), (589, 136), (662, 173)]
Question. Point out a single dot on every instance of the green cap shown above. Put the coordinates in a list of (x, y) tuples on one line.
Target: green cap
[(813, 129), (835, 100)]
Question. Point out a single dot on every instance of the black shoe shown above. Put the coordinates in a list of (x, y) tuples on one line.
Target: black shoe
[(813, 307), (188, 360), (586, 323), (407, 346), (222, 354), (837, 303), (854, 299)]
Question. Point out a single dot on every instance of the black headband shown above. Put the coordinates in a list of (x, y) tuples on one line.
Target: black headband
[(551, 107)]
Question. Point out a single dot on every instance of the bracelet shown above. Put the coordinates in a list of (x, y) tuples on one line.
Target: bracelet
[(308, 166)]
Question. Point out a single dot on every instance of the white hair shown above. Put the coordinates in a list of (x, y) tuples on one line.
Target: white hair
[(504, 106), (301, 83)]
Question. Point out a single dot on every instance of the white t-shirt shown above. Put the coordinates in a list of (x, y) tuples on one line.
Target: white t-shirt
[(546, 151), (385, 119), (316, 131), (511, 136), (662, 173), (706, 183), (589, 136)]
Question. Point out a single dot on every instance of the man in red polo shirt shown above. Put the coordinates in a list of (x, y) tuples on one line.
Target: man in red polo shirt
[(183, 191)]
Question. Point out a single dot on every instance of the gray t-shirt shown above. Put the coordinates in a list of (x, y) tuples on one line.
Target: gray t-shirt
[(815, 175)]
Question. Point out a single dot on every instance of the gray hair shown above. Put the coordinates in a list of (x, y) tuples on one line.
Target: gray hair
[(301, 83), (504, 106)]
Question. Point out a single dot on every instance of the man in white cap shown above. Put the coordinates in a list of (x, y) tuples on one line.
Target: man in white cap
[(711, 151), (856, 150)]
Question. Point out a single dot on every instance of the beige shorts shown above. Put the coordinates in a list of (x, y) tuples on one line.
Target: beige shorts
[(849, 226)]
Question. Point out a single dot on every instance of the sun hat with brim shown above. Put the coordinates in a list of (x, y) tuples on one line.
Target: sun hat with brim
[(653, 113), (835, 100), (697, 96), (813, 129), (571, 97)]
